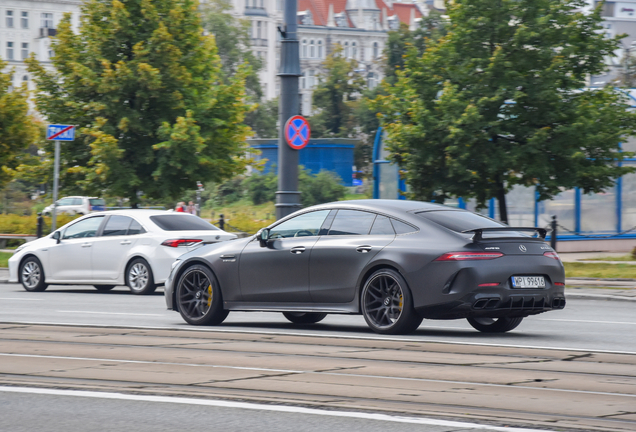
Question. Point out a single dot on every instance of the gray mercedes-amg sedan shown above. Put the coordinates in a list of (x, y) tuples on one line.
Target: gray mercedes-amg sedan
[(395, 262)]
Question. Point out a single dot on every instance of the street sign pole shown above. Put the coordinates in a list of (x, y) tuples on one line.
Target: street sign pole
[(287, 196), (56, 177), (58, 133)]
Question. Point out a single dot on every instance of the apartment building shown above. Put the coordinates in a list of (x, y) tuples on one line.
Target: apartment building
[(26, 26)]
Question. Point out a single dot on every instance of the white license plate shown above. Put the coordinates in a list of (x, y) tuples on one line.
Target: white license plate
[(528, 282)]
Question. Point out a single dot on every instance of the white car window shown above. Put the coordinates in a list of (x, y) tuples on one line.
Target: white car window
[(117, 225), (64, 202), (84, 228)]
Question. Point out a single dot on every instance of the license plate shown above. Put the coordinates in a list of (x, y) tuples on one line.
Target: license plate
[(528, 282)]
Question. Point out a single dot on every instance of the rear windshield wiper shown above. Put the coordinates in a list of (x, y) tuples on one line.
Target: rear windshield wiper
[(479, 232)]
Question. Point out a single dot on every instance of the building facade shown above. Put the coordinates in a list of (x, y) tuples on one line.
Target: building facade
[(26, 27)]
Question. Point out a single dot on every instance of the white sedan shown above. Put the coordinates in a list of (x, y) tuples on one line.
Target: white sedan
[(131, 247)]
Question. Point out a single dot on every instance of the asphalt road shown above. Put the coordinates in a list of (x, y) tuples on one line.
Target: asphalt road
[(584, 324), (116, 361)]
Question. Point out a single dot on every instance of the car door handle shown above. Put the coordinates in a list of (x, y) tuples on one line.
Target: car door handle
[(364, 249), (87, 244), (298, 249), (125, 242)]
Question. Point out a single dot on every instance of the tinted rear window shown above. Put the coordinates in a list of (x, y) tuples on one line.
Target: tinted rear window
[(460, 220), (181, 222)]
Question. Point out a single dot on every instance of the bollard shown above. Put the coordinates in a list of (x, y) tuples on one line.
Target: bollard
[(553, 235), (221, 222), (40, 226)]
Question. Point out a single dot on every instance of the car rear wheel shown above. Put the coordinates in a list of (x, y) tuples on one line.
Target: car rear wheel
[(32, 275), (304, 317), (387, 304), (139, 277), (494, 325), (199, 297), (104, 287)]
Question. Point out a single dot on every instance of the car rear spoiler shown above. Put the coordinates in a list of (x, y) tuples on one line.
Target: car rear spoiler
[(480, 231)]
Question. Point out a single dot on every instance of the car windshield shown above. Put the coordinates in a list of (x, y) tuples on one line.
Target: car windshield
[(460, 220), (182, 222)]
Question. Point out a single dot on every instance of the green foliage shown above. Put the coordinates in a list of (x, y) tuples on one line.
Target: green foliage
[(262, 188), (263, 119), (322, 188), (18, 129), (154, 111), (15, 224), (451, 122), (333, 97)]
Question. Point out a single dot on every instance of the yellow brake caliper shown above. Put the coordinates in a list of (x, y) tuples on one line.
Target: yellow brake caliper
[(210, 296), (400, 304)]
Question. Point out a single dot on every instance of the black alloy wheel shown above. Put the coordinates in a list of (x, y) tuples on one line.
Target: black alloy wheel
[(494, 325), (104, 288), (304, 317), (32, 275), (387, 304), (199, 297), (139, 277)]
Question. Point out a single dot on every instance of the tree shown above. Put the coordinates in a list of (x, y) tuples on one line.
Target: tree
[(145, 86), (264, 119), (337, 87), (498, 102), (18, 129)]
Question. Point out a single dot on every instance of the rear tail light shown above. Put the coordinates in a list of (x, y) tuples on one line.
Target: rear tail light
[(181, 242), (552, 255), (468, 256), (489, 284), (559, 283)]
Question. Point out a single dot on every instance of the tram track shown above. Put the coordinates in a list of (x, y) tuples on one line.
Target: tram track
[(552, 389)]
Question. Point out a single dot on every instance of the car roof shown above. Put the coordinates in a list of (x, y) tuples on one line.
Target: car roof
[(387, 205), (144, 213)]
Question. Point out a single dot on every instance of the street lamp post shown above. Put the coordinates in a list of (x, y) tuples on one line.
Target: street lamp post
[(288, 196)]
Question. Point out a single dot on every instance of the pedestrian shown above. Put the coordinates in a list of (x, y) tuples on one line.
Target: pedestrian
[(180, 207), (191, 208)]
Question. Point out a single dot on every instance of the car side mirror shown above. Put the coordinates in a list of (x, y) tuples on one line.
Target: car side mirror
[(56, 236), (263, 236)]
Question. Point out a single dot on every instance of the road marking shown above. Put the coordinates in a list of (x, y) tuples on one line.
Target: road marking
[(186, 327), (25, 299), (309, 372), (588, 321), (108, 313), (254, 406)]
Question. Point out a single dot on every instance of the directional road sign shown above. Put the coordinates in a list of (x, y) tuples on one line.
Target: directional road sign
[(297, 132), (56, 132)]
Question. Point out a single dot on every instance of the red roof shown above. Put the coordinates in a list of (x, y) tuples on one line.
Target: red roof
[(320, 10)]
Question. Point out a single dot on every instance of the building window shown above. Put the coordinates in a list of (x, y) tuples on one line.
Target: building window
[(312, 49), (258, 29), (310, 79), (302, 81), (24, 21), (265, 30), (303, 53), (354, 50), (279, 5), (319, 49), (25, 50), (25, 78), (371, 80), (9, 19), (376, 50), (346, 49), (262, 4), (9, 50), (47, 20)]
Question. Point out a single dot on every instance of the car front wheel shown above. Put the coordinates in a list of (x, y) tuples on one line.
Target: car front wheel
[(387, 304), (199, 297), (304, 317), (139, 277), (494, 325), (32, 275)]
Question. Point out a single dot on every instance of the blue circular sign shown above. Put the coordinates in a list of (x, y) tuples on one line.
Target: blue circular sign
[(297, 132)]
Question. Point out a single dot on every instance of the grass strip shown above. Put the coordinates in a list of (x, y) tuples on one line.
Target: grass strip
[(600, 270), (4, 258)]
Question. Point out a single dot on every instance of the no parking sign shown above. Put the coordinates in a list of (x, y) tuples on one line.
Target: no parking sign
[(297, 132)]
